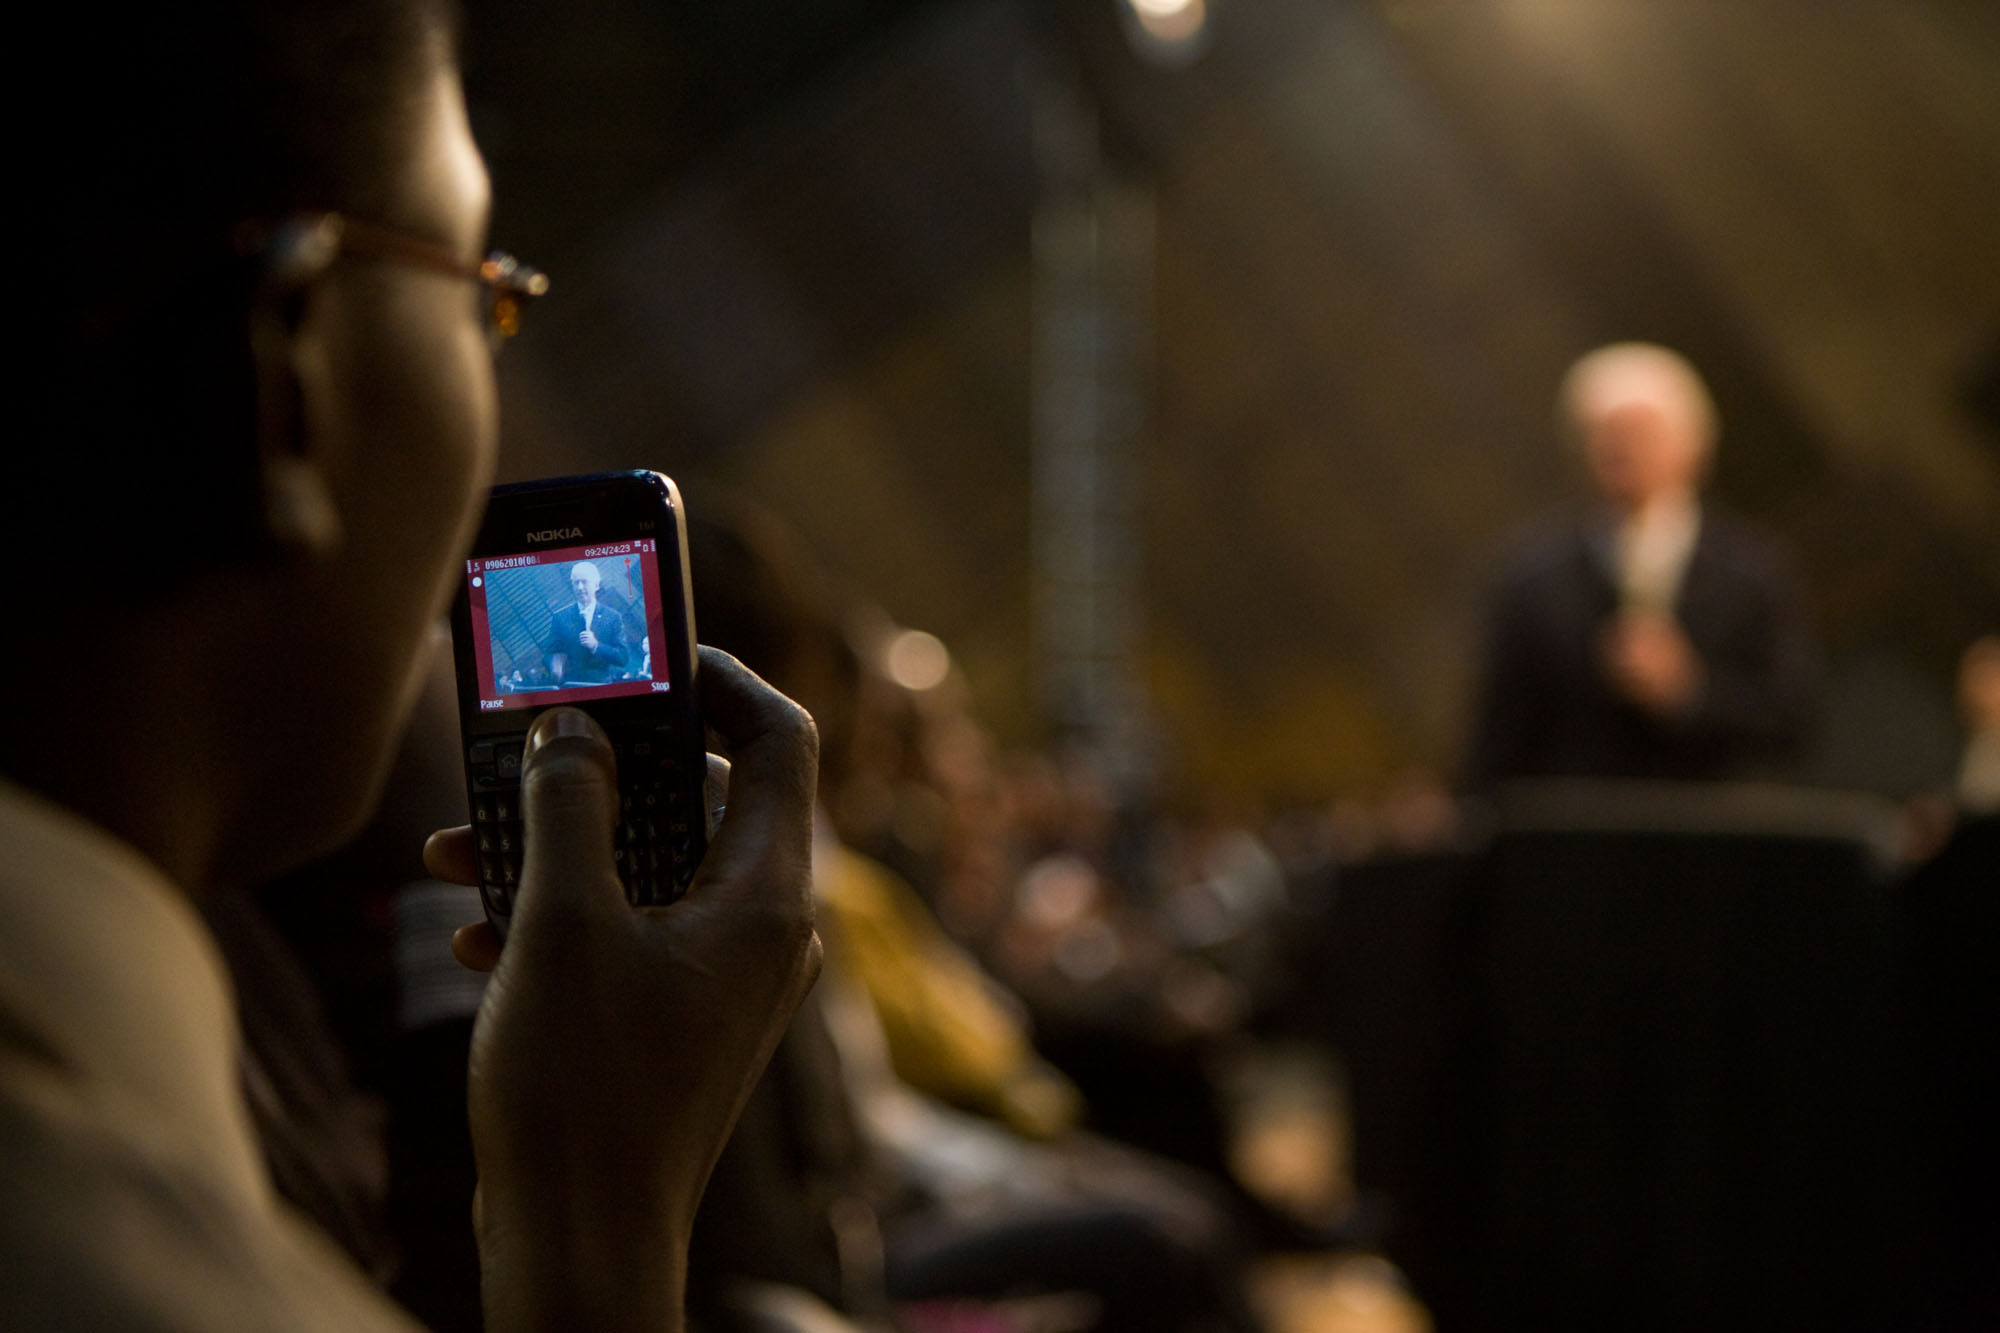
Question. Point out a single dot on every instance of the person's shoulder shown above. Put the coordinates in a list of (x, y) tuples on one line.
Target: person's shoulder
[(112, 1220), (1729, 527), (1549, 547), (1743, 543)]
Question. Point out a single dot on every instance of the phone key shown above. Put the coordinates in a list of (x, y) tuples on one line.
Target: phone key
[(503, 808)]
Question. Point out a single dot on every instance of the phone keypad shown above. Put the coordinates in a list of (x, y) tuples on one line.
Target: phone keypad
[(659, 837), (653, 844)]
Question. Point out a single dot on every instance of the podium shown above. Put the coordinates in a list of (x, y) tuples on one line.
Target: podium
[(1640, 1060)]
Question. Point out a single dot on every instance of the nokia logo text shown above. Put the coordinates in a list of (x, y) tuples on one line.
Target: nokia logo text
[(551, 534)]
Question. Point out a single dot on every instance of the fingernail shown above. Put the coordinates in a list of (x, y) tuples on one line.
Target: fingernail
[(558, 722)]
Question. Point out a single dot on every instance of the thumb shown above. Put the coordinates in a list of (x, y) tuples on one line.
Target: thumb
[(569, 805)]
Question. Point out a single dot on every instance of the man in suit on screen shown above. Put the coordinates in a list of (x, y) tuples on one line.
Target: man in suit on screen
[(586, 644)]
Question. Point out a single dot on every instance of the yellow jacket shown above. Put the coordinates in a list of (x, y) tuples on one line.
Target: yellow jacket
[(950, 1032)]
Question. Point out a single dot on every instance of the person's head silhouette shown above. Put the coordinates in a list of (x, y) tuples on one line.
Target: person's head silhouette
[(264, 409)]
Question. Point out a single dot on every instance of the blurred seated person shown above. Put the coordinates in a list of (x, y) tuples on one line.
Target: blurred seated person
[(938, 1074), (1652, 636), (951, 1030), (255, 342), (1979, 701), (948, 1028), (1952, 902), (586, 643)]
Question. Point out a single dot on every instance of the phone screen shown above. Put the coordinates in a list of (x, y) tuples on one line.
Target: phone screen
[(565, 625)]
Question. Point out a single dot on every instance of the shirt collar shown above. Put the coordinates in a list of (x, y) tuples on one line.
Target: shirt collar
[(1652, 553)]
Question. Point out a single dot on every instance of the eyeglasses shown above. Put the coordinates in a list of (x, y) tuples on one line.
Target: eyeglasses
[(300, 247)]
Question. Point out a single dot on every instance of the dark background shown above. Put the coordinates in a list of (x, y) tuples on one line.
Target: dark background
[(790, 248)]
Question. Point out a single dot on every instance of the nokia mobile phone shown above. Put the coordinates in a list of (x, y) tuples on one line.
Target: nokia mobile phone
[(577, 593)]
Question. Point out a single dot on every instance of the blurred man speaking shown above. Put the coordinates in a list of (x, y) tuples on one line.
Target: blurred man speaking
[(1655, 638)]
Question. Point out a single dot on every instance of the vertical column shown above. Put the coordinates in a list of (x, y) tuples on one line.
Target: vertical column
[(1092, 343)]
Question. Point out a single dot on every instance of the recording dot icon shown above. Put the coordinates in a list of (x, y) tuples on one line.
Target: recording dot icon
[(477, 581)]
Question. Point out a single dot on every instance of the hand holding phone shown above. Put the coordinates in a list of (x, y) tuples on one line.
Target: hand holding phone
[(615, 1047), (576, 593)]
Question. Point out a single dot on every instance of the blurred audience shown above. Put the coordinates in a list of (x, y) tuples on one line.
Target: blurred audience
[(1009, 1200), (1653, 636)]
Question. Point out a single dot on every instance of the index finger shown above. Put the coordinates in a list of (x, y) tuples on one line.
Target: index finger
[(774, 771)]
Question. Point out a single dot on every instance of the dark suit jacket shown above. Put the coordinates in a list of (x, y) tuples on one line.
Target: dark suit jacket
[(586, 666), (1546, 709)]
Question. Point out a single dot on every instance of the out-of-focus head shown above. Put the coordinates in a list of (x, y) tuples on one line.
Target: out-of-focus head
[(220, 415), (179, 136), (1643, 419), (760, 596), (584, 578)]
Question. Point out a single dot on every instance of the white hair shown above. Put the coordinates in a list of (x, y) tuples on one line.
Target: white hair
[(583, 569), (1624, 372)]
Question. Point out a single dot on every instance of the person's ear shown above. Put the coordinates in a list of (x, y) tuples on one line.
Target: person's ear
[(297, 516)]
